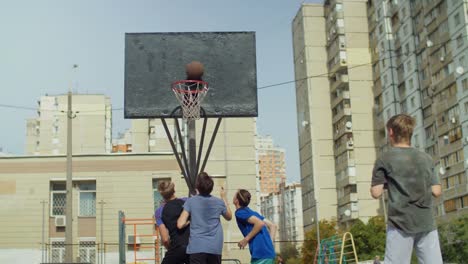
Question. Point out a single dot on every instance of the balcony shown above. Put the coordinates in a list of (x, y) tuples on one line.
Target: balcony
[(444, 83), (352, 197), (377, 88), (339, 82), (344, 165), (455, 191), (417, 7), (422, 44), (432, 26), (341, 132), (428, 120), (397, 43), (392, 9), (376, 71), (343, 112), (339, 98), (340, 65), (379, 122), (343, 145), (346, 180), (450, 148)]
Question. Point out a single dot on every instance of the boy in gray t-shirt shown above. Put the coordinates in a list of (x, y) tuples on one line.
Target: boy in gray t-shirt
[(409, 177), (206, 232)]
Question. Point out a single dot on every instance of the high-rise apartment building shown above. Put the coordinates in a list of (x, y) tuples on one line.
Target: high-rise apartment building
[(335, 107), (92, 128), (419, 63), (271, 165), (284, 208)]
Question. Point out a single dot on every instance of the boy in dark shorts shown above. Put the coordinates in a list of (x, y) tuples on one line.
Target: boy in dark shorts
[(179, 238), (408, 175)]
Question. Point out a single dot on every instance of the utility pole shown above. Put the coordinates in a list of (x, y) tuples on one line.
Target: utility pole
[(69, 183), (43, 202), (101, 255)]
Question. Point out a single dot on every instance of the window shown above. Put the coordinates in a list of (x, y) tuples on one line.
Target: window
[(409, 66), (430, 132), (87, 199), (407, 49), (461, 61), (416, 140), (157, 198), (87, 250), (411, 84), (338, 7), (460, 40), (456, 19), (58, 199), (464, 201), (405, 30), (57, 250), (403, 12), (340, 22), (450, 206)]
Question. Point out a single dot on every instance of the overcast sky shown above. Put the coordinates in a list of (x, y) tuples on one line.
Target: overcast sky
[(41, 40)]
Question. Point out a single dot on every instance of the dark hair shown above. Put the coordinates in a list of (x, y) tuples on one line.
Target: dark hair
[(166, 189), (243, 196), (402, 126), (204, 183)]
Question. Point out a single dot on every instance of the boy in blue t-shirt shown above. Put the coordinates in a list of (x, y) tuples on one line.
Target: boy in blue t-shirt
[(258, 232)]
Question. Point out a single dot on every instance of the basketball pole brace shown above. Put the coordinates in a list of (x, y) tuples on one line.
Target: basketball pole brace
[(174, 149), (190, 175), (213, 137)]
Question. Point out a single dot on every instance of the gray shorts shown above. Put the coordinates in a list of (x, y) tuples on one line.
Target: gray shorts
[(399, 247)]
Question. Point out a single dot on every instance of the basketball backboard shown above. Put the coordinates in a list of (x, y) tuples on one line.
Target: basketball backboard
[(153, 61)]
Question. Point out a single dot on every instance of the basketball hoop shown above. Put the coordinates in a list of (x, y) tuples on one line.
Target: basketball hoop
[(190, 94)]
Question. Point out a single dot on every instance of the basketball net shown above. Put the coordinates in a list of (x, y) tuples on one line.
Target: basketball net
[(190, 94)]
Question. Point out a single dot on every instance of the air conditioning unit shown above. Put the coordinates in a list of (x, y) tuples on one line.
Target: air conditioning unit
[(349, 125), (132, 241), (453, 120), (60, 221), (442, 58)]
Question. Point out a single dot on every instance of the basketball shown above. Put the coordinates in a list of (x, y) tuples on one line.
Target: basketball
[(194, 70)]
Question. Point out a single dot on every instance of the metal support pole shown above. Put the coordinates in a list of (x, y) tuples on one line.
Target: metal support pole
[(101, 256), (213, 137), (69, 186), (174, 149), (183, 152), (202, 140), (43, 202), (122, 244), (192, 152)]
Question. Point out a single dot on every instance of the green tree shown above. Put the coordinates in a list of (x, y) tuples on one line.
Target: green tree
[(369, 238), (453, 237), (288, 252), (327, 229)]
